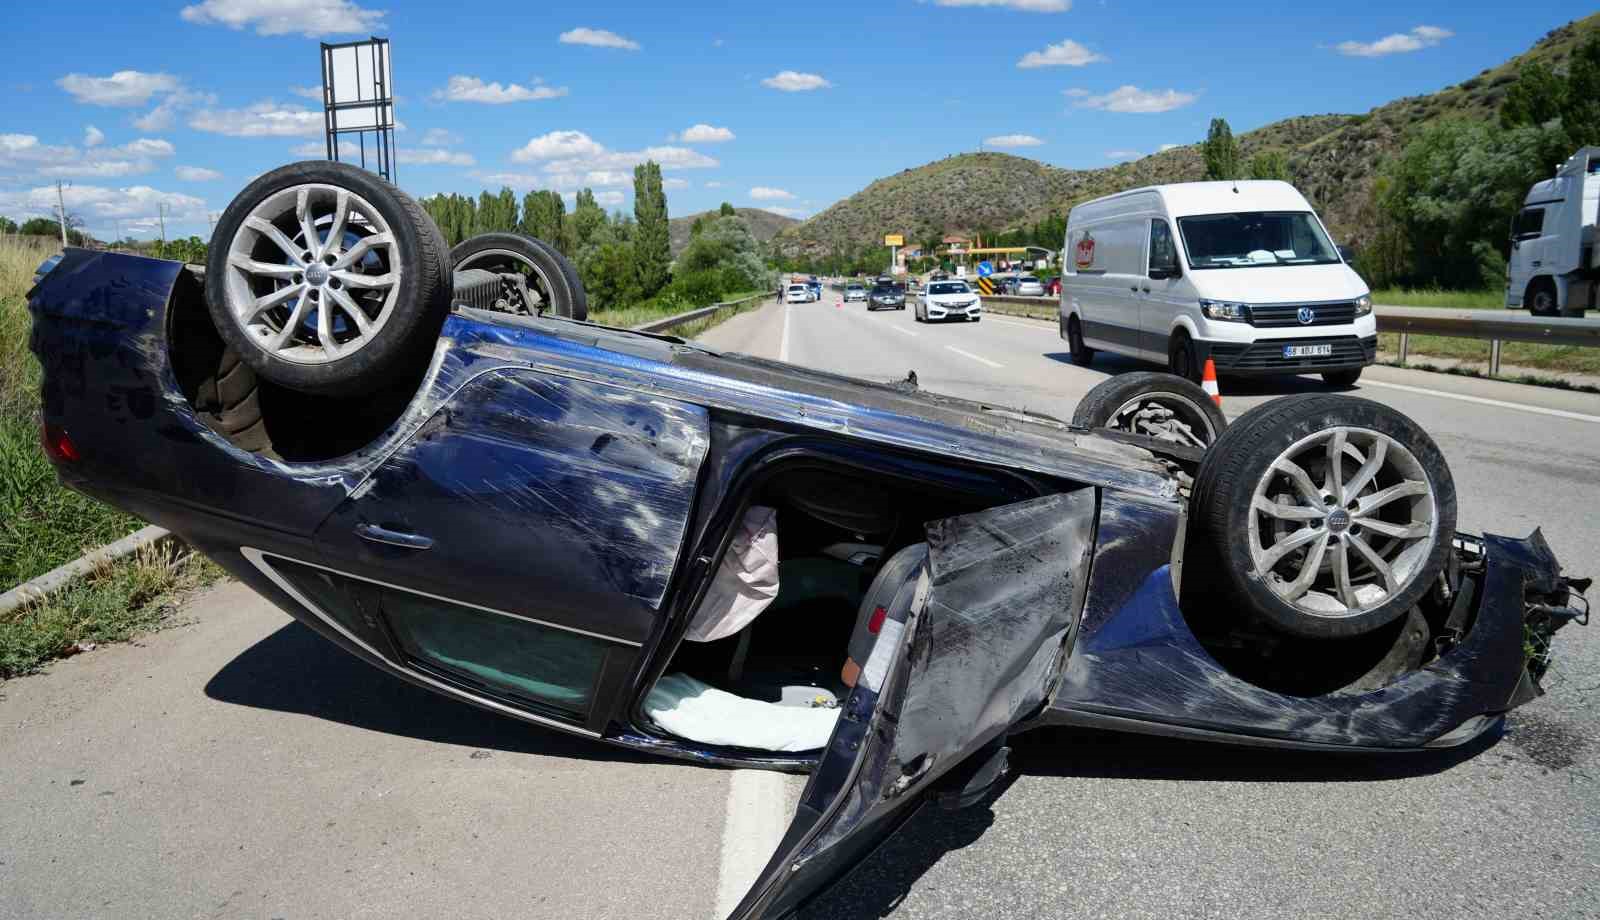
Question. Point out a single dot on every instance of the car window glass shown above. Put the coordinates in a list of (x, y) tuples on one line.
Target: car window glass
[(948, 287), (1163, 254), (1530, 223), (504, 654)]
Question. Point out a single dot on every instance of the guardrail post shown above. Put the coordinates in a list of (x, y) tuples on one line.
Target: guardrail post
[(1405, 347), (1494, 357)]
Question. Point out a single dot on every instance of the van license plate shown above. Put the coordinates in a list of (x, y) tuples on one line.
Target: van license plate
[(1307, 351)]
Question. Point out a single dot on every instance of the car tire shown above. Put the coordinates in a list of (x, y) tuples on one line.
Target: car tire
[(1163, 406), (265, 277), (1541, 298), (556, 280), (1315, 556), (1181, 357), (1082, 355), (1342, 379)]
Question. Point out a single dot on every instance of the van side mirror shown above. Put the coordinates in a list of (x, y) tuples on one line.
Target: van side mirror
[(1162, 273), (1347, 254)]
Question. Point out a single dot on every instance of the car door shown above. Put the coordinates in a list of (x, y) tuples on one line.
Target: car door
[(989, 619), (1162, 292), (516, 550)]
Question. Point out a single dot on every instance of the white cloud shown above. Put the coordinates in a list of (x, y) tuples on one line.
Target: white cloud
[(765, 193), (264, 119), (314, 93), (122, 89), (439, 137), (1076, 93), (1026, 6), (1012, 140), (310, 18), (196, 174), (598, 38), (315, 149), (609, 199), (433, 156), (472, 89), (703, 134), (1398, 43), (786, 212), (92, 136), (1124, 154), (1133, 99), (99, 202), (27, 157), (791, 81), (713, 184), (557, 144), (1066, 54), (671, 182), (1165, 147)]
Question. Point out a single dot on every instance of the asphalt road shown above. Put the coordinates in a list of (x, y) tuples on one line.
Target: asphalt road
[(1102, 826), (237, 766)]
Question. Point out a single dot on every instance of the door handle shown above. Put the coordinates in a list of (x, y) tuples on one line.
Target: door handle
[(1134, 288), (1146, 289), (384, 535)]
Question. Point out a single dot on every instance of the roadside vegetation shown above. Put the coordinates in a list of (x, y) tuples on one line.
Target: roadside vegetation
[(1438, 297)]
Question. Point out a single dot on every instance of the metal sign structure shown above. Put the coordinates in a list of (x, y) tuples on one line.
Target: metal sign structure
[(358, 103)]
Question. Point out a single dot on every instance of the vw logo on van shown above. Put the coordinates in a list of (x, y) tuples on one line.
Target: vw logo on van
[(1306, 315)]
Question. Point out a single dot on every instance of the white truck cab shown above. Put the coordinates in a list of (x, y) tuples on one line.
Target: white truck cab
[(1240, 272), (1555, 262)]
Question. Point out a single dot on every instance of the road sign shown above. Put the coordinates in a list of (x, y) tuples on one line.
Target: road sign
[(985, 269), (894, 239), (985, 285)]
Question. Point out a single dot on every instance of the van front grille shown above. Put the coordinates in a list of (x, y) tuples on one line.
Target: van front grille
[(1277, 315), (1267, 354)]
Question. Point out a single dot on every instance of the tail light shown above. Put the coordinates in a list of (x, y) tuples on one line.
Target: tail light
[(58, 444)]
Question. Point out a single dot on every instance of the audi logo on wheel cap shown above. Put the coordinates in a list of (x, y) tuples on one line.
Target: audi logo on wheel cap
[(1306, 315)]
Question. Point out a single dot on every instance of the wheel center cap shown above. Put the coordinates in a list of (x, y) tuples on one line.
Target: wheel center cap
[(317, 274), (1338, 520)]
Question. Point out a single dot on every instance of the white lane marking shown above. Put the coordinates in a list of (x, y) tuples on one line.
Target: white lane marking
[(754, 825), (1038, 325), (968, 354), (783, 343), (1485, 401), (903, 330)]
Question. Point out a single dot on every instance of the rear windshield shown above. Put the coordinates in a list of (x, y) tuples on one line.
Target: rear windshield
[(1028, 279), (1255, 238), (948, 287), (797, 287)]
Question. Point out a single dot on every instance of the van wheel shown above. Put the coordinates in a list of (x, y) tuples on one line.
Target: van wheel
[(1541, 298), (1162, 406), (1082, 355), (1181, 358), (1325, 516), (325, 278)]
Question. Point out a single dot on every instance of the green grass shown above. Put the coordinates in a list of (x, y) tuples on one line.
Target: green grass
[(1434, 297), (628, 317), (1570, 359), (129, 597)]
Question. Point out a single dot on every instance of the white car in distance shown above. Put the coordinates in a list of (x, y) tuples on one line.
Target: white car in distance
[(951, 299), (797, 293), (1029, 286)]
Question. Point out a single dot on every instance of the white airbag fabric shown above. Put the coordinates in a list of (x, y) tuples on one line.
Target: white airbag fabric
[(697, 711), (746, 580)]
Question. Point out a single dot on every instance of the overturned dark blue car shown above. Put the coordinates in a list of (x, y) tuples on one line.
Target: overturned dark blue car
[(432, 459)]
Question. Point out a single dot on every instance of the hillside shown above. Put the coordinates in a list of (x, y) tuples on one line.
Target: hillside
[(764, 225), (1334, 160)]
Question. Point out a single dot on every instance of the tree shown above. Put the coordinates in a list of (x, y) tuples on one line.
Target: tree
[(652, 244), (727, 210), (44, 226), (1535, 98), (544, 217), (1269, 164), (698, 225), (1221, 151), (587, 218), (7, 225)]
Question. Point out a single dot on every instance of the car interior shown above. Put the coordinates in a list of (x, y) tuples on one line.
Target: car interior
[(844, 547)]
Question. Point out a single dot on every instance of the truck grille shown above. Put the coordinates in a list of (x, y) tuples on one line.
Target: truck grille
[(1275, 315), (1267, 354)]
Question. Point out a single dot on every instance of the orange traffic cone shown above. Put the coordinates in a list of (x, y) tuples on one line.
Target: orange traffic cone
[(1208, 382)]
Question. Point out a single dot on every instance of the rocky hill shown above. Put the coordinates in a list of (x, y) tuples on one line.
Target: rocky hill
[(764, 225), (1334, 160)]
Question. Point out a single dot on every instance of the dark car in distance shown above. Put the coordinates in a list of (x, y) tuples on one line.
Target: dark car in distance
[(886, 295), (429, 458)]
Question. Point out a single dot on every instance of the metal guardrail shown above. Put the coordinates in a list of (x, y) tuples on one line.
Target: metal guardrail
[(1495, 326), (683, 319)]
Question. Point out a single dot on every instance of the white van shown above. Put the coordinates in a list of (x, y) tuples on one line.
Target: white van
[(1240, 272)]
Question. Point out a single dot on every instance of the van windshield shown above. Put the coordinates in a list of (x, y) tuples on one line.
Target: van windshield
[(1254, 238)]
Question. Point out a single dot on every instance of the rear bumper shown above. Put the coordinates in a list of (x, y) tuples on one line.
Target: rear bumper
[(1265, 356)]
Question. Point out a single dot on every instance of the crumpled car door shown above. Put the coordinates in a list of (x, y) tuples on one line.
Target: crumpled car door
[(993, 611)]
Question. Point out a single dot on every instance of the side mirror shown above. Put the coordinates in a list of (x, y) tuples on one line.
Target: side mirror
[(1347, 254), (1164, 273)]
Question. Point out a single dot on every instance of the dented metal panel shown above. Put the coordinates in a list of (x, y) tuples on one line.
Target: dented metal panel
[(569, 494)]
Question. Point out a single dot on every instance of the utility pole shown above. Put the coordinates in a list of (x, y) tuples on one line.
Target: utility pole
[(161, 214), (61, 209)]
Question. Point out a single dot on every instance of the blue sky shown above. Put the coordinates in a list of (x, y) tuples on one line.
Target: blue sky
[(784, 106)]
